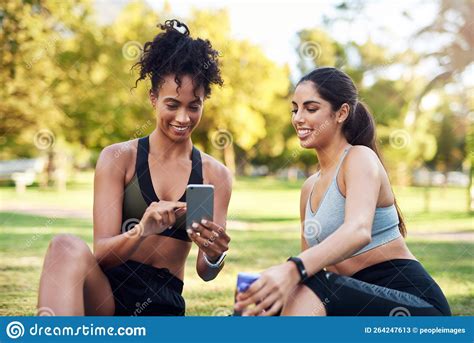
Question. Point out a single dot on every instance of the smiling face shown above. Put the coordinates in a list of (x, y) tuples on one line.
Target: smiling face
[(178, 110), (313, 118)]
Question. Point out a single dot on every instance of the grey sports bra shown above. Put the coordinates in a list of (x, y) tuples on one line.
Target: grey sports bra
[(329, 217)]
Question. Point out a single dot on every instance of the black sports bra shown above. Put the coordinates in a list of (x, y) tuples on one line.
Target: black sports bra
[(139, 192)]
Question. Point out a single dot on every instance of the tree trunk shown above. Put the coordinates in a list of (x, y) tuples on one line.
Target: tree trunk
[(229, 158), (470, 190)]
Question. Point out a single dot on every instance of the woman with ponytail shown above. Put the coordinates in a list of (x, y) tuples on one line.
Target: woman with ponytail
[(354, 259)]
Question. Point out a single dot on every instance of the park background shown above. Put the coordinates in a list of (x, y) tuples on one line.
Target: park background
[(66, 94)]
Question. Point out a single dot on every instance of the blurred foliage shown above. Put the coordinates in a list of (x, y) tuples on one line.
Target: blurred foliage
[(72, 76), (411, 135), (64, 71), (252, 106)]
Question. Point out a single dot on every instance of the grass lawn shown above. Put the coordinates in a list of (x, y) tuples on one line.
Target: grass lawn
[(269, 210)]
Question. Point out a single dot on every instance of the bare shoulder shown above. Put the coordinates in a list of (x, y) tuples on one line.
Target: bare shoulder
[(214, 171), (117, 156), (305, 192), (362, 152), (308, 185), (363, 159)]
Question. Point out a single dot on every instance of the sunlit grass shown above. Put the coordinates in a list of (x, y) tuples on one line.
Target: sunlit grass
[(266, 233)]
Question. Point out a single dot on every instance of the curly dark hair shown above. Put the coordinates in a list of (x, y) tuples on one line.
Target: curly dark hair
[(174, 52)]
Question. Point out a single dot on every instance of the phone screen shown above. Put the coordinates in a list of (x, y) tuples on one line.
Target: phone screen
[(199, 203)]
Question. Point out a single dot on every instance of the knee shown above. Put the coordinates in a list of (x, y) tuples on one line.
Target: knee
[(294, 297), (303, 302), (65, 247)]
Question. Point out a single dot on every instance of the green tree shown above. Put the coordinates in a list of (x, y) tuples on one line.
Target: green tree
[(387, 99), (453, 23), (30, 37), (244, 118)]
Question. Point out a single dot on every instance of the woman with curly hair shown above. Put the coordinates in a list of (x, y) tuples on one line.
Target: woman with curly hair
[(140, 239)]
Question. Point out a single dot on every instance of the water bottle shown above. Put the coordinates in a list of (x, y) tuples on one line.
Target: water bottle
[(244, 280)]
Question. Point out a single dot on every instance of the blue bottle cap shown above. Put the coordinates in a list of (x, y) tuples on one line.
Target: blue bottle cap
[(244, 280)]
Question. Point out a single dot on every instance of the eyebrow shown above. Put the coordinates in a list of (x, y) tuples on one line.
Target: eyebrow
[(172, 99), (198, 101), (307, 102), (169, 99)]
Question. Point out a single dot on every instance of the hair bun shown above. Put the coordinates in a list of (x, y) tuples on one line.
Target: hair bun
[(174, 52), (174, 25)]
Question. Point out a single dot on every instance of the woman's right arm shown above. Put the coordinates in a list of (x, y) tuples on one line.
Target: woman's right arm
[(305, 192), (111, 248)]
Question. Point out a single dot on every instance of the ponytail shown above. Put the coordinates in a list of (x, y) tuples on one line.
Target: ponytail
[(359, 129)]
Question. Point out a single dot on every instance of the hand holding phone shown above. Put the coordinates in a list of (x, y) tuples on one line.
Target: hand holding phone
[(210, 237), (199, 204)]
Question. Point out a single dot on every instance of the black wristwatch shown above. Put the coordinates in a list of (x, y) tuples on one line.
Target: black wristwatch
[(301, 269)]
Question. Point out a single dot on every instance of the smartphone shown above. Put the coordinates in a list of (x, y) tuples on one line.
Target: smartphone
[(199, 204)]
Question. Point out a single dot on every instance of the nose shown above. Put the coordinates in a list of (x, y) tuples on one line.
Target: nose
[(298, 117), (182, 117)]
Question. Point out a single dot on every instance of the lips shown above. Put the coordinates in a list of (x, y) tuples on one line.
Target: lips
[(304, 132), (179, 130)]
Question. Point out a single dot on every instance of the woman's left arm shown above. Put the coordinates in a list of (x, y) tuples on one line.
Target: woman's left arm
[(362, 179), (213, 239)]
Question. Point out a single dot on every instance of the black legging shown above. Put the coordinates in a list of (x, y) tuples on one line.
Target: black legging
[(400, 287)]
